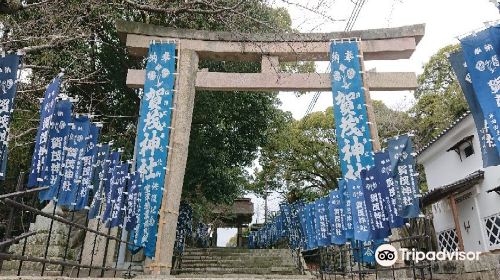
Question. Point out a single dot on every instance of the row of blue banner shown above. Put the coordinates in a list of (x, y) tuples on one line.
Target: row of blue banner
[(69, 160), (477, 67), (359, 210), (83, 173)]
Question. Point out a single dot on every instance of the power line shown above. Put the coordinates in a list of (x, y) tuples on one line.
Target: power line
[(350, 24)]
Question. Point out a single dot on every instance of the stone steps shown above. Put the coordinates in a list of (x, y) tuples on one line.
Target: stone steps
[(183, 277), (235, 250), (240, 270), (225, 254), (233, 261), (237, 261), (244, 277), (237, 265), (233, 257)]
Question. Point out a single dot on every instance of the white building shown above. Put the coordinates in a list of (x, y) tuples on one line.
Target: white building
[(465, 197)]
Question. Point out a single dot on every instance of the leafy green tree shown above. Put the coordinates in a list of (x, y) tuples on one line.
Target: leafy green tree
[(301, 159), (80, 37), (439, 97)]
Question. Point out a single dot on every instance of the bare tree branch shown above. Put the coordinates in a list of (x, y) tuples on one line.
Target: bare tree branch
[(187, 8), (13, 6), (52, 44), (26, 132), (312, 10), (26, 6)]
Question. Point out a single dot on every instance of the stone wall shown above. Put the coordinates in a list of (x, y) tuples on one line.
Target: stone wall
[(36, 245), (486, 268)]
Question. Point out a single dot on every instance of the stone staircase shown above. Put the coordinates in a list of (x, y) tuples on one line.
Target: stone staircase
[(216, 262)]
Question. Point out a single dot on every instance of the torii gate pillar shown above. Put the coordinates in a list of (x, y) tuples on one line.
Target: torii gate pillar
[(176, 165)]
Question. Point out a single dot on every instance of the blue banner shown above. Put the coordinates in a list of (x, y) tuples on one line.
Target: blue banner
[(323, 235), (133, 201), (403, 169), (118, 185), (58, 135), (279, 227), (489, 153), (346, 199), (8, 83), (297, 236), (349, 108), (308, 225), (184, 227), (110, 193), (88, 161), (365, 251), (112, 172), (251, 241), (389, 189), (337, 217), (361, 221), (42, 135), (73, 154), (100, 174), (286, 214), (480, 51), (203, 236), (153, 140), (375, 196), (288, 223)]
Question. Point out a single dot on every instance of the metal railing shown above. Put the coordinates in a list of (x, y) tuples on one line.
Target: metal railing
[(339, 262), (68, 265)]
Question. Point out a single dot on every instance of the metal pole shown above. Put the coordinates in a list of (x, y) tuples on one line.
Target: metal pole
[(50, 227), (17, 238), (95, 240), (82, 247), (360, 254), (266, 194), (21, 261), (105, 254), (107, 240), (118, 247), (123, 246), (20, 192), (120, 259), (70, 228)]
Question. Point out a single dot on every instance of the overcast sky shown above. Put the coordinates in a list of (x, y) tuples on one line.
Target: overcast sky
[(444, 19)]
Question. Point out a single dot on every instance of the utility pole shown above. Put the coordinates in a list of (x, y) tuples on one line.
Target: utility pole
[(266, 194)]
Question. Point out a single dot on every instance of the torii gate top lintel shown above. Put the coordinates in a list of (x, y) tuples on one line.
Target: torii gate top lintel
[(126, 27), (377, 44)]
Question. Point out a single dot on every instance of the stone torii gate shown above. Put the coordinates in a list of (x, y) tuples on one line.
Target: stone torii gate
[(270, 50)]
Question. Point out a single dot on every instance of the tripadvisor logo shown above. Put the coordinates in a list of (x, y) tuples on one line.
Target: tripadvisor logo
[(387, 255)]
